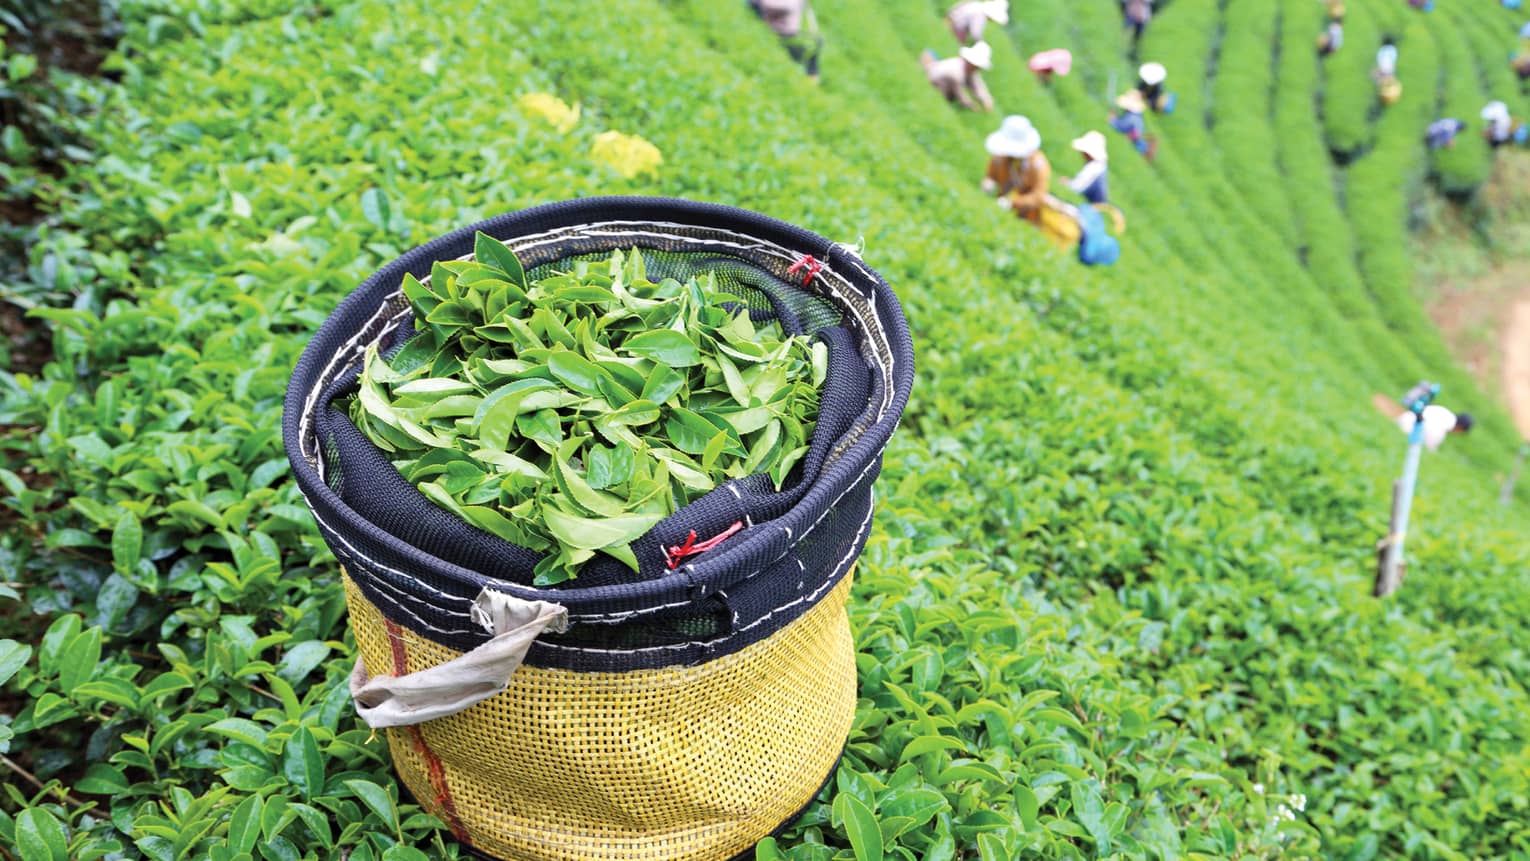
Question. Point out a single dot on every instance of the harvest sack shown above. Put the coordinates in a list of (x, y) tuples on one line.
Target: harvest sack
[(683, 711), (1096, 247)]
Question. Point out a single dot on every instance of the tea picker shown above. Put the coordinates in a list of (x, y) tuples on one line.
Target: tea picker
[(1129, 122), (1500, 126), (1151, 78), (1441, 134), (1057, 61), (1091, 181), (1332, 38), (1138, 13), (960, 78), (1018, 172), (795, 24), (1388, 86)]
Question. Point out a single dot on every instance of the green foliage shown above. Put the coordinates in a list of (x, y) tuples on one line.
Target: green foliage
[(572, 413), (1241, 110), (1116, 601), (49, 49), (1326, 237), (49, 105)]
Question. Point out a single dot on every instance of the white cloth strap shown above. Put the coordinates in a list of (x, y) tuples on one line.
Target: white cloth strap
[(445, 689)]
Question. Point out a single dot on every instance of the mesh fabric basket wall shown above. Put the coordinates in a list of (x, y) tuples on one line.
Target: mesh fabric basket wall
[(687, 712)]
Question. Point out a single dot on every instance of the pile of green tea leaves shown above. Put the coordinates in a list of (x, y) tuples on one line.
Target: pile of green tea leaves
[(572, 413)]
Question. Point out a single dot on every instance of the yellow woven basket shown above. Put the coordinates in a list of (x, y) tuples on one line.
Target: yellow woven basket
[(696, 762)]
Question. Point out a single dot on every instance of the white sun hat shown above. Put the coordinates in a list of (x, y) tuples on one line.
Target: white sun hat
[(979, 55), (1016, 138), (1152, 73), (1091, 144), (1495, 110), (997, 11)]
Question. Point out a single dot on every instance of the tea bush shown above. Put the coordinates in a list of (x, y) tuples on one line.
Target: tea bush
[(1117, 600), (1311, 181), (1463, 167), (1349, 96), (1241, 111), (49, 54)]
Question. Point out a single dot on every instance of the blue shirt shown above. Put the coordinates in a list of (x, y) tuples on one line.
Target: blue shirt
[(1129, 124)]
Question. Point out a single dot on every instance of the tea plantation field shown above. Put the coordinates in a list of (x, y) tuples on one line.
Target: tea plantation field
[(1117, 601)]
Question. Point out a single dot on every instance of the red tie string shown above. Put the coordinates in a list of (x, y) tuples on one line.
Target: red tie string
[(807, 266), (691, 547)]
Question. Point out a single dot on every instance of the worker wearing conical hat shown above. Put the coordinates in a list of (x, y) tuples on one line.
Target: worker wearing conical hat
[(960, 78), (1150, 81), (1018, 172), (1129, 121), (1499, 128), (1090, 180)]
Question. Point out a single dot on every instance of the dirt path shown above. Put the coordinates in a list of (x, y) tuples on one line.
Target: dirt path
[(1486, 322), (1480, 298), (1514, 343)]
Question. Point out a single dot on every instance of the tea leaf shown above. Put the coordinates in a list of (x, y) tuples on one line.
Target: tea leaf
[(596, 533), (664, 346), (492, 252)]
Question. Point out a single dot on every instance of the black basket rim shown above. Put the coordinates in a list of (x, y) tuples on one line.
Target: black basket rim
[(689, 582)]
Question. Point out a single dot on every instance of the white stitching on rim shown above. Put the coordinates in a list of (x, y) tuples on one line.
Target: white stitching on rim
[(310, 403), (829, 583)]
